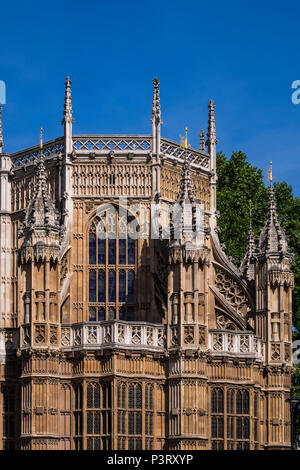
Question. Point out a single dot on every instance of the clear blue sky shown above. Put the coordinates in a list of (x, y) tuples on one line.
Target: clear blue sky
[(244, 55)]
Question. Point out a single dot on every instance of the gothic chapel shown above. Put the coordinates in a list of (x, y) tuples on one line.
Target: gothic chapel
[(135, 343)]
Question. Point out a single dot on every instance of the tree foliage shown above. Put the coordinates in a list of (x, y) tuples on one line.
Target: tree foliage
[(239, 183)]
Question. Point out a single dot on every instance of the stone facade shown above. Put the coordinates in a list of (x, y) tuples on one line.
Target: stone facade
[(135, 344)]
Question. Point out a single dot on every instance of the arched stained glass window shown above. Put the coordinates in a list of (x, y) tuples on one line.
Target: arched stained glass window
[(111, 292)]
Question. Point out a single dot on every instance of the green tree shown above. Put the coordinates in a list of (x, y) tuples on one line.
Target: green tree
[(238, 183)]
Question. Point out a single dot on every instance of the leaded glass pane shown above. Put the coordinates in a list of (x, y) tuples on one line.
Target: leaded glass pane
[(130, 314), (131, 397), (92, 286), (131, 257), (220, 427), (122, 313), (101, 251), (111, 313), (213, 401), (239, 402), (220, 401), (89, 396), (92, 248), (89, 427), (130, 286), (246, 402), (246, 428), (111, 251), (122, 251), (138, 423), (111, 286), (138, 396), (130, 423), (92, 314), (122, 286), (97, 396), (213, 426), (101, 314), (101, 286)]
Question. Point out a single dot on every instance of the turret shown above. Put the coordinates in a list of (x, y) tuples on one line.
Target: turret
[(40, 265), (188, 259), (274, 283)]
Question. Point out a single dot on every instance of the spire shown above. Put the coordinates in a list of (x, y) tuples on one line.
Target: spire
[(156, 118), (41, 215), (211, 143), (247, 266), (272, 237), (1, 135), (202, 140), (211, 134), (68, 111), (186, 193), (156, 113)]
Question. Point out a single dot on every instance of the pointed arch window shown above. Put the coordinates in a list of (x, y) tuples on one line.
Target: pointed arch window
[(111, 269)]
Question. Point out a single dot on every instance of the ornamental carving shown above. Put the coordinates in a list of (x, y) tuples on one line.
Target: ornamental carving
[(232, 292)]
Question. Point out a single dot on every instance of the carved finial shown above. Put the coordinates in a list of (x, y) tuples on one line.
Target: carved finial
[(211, 134), (156, 112), (1, 135), (68, 111), (186, 193), (202, 140), (250, 209), (270, 175)]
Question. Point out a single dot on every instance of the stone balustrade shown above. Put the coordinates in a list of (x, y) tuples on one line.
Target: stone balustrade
[(137, 336), (133, 335), (240, 343)]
